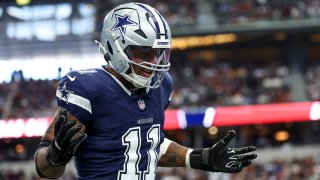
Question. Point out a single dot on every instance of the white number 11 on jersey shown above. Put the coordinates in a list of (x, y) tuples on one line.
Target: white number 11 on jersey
[(132, 139)]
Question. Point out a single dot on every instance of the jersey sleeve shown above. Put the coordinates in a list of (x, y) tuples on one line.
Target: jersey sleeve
[(73, 96)]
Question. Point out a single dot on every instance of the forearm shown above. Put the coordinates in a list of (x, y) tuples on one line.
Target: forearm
[(58, 144), (44, 168), (175, 156)]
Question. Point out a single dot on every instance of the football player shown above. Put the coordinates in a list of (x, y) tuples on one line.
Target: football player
[(111, 118)]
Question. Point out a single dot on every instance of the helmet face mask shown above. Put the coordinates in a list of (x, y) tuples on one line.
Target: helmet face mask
[(136, 35), (149, 58)]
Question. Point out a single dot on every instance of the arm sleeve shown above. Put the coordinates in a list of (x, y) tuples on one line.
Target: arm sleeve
[(164, 146)]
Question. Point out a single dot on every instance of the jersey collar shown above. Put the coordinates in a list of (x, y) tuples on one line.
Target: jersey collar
[(121, 85), (118, 82)]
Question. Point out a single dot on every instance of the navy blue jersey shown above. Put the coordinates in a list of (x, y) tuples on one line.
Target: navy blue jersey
[(124, 129)]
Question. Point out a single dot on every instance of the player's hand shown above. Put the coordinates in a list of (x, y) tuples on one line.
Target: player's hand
[(221, 158), (66, 140)]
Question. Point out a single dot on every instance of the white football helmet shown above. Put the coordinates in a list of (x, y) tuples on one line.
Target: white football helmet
[(131, 26)]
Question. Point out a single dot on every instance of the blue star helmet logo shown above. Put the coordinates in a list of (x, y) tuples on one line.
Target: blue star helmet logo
[(123, 22), (65, 93)]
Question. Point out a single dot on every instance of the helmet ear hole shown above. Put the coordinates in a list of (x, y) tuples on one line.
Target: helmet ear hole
[(109, 48), (107, 57)]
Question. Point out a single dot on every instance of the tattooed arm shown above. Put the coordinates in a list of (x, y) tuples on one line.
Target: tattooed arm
[(173, 154)]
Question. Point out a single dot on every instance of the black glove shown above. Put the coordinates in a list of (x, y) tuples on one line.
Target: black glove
[(220, 158), (65, 141)]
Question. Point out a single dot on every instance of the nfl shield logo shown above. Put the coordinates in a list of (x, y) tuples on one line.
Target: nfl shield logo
[(141, 104)]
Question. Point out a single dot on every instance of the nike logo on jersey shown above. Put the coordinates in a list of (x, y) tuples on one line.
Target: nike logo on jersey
[(71, 78)]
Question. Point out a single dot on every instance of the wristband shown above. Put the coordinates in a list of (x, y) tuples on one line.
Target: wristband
[(187, 161), (199, 159), (196, 159)]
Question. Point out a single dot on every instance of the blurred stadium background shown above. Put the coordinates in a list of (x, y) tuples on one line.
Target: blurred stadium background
[(248, 65)]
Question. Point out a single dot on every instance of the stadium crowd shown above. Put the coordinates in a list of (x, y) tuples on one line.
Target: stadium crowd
[(228, 83), (312, 76), (178, 12), (248, 11)]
